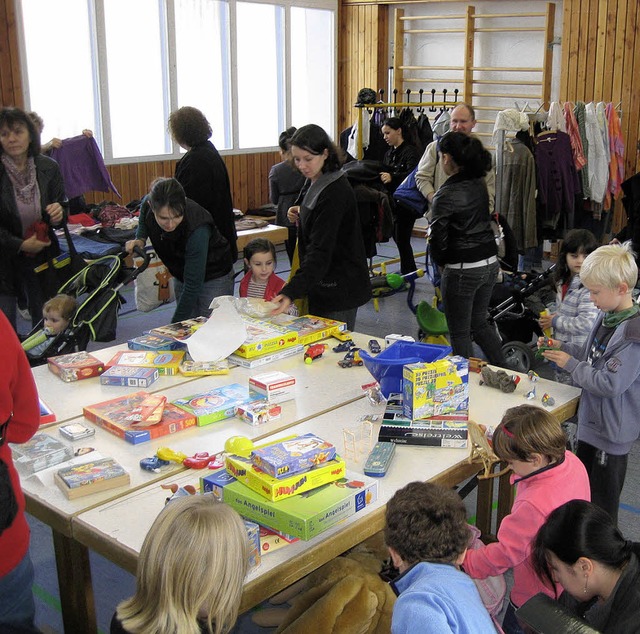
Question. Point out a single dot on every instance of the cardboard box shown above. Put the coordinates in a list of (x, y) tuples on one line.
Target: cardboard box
[(115, 415), (75, 366), (167, 362), (130, 376), (216, 404), (271, 540), (258, 412), (179, 330), (276, 387), (255, 551), (154, 343), (311, 328), (215, 482), (40, 452), (47, 415), (310, 513), (438, 390), (264, 337), (264, 359), (293, 455), (279, 489)]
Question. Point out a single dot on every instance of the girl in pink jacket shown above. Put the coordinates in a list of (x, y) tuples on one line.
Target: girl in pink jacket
[(532, 443)]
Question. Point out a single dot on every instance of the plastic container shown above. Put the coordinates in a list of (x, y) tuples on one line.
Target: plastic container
[(386, 367)]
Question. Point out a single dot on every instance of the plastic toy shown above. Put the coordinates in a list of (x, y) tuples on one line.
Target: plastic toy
[(357, 439), (547, 344), (177, 491), (548, 400), (476, 365), (351, 358), (531, 394), (533, 377), (202, 460), (313, 352), (239, 446), (153, 464), (164, 453), (374, 346), (345, 346)]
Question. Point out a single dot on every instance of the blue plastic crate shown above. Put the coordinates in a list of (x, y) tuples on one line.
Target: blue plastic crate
[(386, 367)]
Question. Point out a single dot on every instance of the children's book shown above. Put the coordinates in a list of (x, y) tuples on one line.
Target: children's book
[(91, 477), (47, 415), (39, 452), (181, 330), (167, 362), (75, 366), (122, 416)]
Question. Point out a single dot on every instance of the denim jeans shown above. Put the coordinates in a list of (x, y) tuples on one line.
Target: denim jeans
[(510, 623), (210, 290), (348, 316), (466, 294), (17, 607)]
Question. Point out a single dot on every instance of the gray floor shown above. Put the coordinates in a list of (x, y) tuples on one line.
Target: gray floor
[(111, 584)]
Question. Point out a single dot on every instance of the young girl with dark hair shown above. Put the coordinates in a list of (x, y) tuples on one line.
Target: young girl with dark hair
[(581, 548)]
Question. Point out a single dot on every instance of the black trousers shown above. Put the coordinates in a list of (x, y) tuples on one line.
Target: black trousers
[(605, 480), (402, 230)]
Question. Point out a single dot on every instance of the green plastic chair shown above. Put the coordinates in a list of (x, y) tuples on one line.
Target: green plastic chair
[(432, 323)]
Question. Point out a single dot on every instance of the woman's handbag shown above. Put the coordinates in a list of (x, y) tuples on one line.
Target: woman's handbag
[(58, 267), (8, 501)]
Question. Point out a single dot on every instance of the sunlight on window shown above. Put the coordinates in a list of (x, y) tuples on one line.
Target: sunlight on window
[(202, 45), (137, 88), (312, 62), (260, 88), (59, 66)]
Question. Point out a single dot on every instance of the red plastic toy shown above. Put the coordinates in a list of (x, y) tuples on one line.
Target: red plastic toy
[(314, 351)]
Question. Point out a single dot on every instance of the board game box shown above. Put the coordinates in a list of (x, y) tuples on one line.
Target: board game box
[(263, 359), (129, 376), (264, 337), (311, 328), (91, 477), (75, 366), (47, 415), (271, 540), (293, 455), (166, 362), (276, 387), (180, 330), (310, 513), (119, 417), (154, 343), (39, 452), (203, 368), (216, 404)]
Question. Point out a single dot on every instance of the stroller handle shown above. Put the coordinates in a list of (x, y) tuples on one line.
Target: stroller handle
[(136, 270)]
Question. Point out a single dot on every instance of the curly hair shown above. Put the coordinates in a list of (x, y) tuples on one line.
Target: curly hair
[(9, 117), (189, 127), (426, 522), (313, 139)]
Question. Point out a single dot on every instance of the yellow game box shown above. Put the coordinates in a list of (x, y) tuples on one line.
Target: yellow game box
[(264, 337), (311, 328)]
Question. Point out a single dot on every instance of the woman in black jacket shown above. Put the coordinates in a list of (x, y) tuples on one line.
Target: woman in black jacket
[(333, 271), (464, 245)]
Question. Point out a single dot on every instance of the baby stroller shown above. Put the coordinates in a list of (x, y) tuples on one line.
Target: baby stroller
[(516, 304), (96, 288)]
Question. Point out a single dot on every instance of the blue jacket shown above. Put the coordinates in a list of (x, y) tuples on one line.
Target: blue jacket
[(610, 400), (435, 597)]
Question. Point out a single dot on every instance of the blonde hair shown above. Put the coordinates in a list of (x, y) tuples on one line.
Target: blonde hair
[(527, 429), (65, 305), (193, 561), (610, 266)]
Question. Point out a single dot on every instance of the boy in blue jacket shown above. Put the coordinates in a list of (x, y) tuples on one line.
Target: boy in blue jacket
[(427, 535), (607, 368)]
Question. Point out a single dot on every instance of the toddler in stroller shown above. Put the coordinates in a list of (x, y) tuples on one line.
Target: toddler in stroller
[(57, 313)]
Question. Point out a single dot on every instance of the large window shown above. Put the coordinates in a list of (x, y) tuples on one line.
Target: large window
[(121, 67)]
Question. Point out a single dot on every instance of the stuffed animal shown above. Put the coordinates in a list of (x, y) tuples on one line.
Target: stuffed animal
[(345, 596)]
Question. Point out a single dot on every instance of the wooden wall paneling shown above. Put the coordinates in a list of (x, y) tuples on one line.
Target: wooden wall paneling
[(607, 84), (469, 54), (632, 106), (11, 93), (591, 40), (547, 63), (565, 48), (619, 36), (601, 47), (572, 40), (398, 46)]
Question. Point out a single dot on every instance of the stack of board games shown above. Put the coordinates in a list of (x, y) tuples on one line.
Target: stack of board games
[(39, 452), (75, 366), (166, 362), (91, 477), (154, 343), (122, 416), (311, 328), (265, 337), (302, 505), (264, 359)]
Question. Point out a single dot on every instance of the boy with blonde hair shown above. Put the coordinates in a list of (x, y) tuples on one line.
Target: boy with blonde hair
[(607, 368)]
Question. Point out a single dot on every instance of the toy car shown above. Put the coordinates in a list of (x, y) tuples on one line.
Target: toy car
[(345, 346), (374, 346), (314, 351), (351, 358)]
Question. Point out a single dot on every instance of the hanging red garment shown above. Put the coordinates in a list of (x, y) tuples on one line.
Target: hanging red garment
[(616, 149), (574, 135)]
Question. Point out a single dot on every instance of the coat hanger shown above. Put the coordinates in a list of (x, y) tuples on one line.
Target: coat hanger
[(420, 107), (433, 99), (444, 100)]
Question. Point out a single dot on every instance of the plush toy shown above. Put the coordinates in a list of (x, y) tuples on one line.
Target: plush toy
[(345, 596), (499, 379)]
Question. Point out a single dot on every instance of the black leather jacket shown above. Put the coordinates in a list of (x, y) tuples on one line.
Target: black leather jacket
[(460, 225)]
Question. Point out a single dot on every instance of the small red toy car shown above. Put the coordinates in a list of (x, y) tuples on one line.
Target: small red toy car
[(314, 351)]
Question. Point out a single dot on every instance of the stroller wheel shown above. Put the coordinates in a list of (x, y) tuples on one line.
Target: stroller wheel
[(518, 355)]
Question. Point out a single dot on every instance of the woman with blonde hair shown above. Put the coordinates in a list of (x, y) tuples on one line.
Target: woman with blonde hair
[(190, 572)]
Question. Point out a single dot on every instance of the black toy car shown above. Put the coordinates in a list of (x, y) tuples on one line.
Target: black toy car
[(374, 346)]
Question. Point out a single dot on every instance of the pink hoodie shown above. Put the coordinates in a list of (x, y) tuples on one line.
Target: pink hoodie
[(537, 495)]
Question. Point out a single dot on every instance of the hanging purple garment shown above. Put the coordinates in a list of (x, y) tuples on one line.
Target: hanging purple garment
[(83, 169)]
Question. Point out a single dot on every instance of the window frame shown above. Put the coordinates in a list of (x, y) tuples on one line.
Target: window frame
[(97, 34)]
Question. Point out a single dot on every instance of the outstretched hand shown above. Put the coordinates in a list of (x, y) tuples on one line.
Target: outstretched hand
[(283, 304)]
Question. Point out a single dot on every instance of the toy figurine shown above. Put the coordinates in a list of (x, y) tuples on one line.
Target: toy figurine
[(533, 376), (313, 352), (548, 400), (531, 394)]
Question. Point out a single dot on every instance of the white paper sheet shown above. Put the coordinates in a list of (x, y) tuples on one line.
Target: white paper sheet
[(223, 333)]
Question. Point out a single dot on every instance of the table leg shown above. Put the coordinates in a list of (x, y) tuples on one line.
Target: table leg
[(76, 590)]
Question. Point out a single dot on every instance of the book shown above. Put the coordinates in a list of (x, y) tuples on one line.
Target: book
[(75, 366), (216, 404), (47, 415), (154, 343), (310, 513), (91, 477), (264, 359), (167, 362), (311, 328), (130, 376), (39, 452), (120, 416), (264, 337), (180, 330)]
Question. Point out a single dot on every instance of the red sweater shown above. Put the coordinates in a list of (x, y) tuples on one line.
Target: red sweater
[(18, 395), (274, 286)]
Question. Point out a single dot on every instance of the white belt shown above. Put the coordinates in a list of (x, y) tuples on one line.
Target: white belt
[(472, 265)]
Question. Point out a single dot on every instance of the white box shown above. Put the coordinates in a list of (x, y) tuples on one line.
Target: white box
[(389, 339), (276, 386)]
